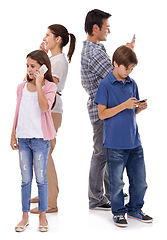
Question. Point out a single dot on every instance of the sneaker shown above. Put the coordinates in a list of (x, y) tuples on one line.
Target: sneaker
[(142, 217), (120, 221), (126, 196), (105, 207)]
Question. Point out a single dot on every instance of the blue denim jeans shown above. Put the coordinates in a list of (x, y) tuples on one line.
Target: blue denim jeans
[(34, 151), (133, 161)]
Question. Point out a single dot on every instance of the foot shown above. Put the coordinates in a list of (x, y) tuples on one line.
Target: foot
[(21, 226), (120, 221), (34, 200), (105, 207), (141, 217), (43, 223), (50, 210)]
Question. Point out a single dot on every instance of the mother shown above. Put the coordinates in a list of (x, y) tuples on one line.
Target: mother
[(56, 38)]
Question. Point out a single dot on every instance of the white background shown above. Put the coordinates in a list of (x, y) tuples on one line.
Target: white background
[(23, 25)]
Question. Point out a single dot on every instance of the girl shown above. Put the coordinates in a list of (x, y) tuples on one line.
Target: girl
[(33, 127), (56, 38)]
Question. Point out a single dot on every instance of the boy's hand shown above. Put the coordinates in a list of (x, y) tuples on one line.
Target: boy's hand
[(131, 103), (143, 105)]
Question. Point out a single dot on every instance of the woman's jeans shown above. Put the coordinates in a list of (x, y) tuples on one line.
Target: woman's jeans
[(133, 161), (34, 151)]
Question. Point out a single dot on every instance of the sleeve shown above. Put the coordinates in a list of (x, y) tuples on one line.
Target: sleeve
[(136, 92), (51, 94), (58, 69), (101, 64), (101, 95)]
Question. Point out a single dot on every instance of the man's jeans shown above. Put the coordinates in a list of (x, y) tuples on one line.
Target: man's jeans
[(34, 149), (133, 161), (98, 175)]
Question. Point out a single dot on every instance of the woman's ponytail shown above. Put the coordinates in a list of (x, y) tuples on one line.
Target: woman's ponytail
[(59, 30), (71, 47)]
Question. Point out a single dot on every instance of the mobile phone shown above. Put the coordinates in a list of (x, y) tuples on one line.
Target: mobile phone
[(133, 37), (44, 68), (142, 101)]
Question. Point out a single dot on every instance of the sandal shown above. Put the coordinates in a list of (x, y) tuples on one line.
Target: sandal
[(21, 228), (43, 228)]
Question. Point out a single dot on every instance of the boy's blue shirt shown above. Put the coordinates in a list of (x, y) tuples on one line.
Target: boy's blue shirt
[(121, 130)]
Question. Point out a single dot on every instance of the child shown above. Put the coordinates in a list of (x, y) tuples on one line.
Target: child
[(33, 127), (118, 103)]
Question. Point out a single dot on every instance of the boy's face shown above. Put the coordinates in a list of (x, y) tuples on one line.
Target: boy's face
[(121, 72)]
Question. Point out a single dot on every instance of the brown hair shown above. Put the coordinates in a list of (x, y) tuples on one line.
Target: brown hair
[(59, 30), (42, 58), (124, 56)]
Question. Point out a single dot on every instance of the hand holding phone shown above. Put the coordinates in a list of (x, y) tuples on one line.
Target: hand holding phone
[(44, 68)]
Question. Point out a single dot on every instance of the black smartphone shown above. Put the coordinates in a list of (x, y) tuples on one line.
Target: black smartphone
[(142, 101)]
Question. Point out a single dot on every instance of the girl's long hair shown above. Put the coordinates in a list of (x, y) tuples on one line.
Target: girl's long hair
[(42, 58), (59, 30)]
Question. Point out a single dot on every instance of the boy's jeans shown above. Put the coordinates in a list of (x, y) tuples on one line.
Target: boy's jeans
[(133, 161), (34, 149)]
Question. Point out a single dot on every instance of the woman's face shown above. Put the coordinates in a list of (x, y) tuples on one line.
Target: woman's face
[(32, 67), (49, 40)]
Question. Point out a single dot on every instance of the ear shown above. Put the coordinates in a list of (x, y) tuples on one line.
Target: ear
[(58, 39), (115, 64), (95, 28)]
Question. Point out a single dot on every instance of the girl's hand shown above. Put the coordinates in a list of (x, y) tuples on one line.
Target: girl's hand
[(39, 77), (14, 144)]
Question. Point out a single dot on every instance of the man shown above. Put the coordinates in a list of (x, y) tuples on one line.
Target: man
[(96, 65)]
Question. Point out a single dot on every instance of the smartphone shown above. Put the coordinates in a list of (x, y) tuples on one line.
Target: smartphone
[(133, 37), (142, 101), (44, 68)]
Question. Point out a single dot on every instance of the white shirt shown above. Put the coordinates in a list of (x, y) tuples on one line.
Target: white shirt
[(59, 65), (29, 120)]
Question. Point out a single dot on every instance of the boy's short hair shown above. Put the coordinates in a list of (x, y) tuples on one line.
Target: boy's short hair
[(95, 17), (124, 56)]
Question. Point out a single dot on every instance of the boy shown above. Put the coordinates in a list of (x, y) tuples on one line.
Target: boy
[(118, 103)]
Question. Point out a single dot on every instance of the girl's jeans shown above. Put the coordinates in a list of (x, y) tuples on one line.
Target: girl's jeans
[(34, 151), (133, 161)]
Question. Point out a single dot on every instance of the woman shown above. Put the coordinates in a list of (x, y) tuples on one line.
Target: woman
[(56, 38)]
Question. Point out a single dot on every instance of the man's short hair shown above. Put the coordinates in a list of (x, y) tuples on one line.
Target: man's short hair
[(95, 17)]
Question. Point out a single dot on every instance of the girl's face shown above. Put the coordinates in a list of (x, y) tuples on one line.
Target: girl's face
[(50, 40), (32, 67)]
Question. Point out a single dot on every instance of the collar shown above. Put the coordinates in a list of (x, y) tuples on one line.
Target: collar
[(113, 79), (90, 43)]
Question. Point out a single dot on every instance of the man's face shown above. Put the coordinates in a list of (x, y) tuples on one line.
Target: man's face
[(104, 31)]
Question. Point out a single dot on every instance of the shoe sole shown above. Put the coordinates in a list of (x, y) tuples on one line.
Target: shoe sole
[(100, 208), (144, 221), (121, 225)]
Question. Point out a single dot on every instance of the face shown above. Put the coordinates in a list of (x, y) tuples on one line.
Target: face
[(104, 31), (121, 72), (50, 40), (32, 67)]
